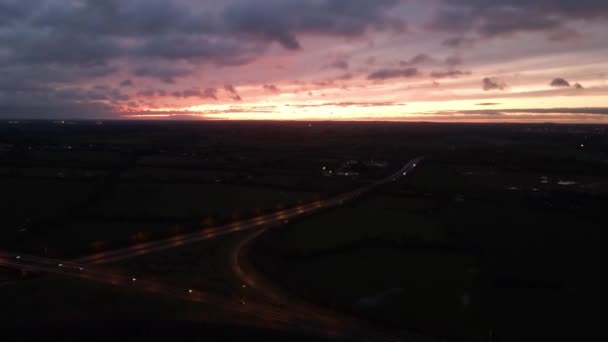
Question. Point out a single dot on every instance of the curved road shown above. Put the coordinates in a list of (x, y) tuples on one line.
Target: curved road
[(265, 221), (303, 318), (272, 317)]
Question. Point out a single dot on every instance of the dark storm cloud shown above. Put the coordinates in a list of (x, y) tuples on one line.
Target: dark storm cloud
[(422, 58), (458, 42), (271, 87), (226, 51), (208, 93), (587, 9), (344, 77), (165, 73), (282, 20), (492, 84), (126, 83), (491, 18), (338, 64), (560, 83), (564, 34), (45, 109), (146, 93), (47, 43), (492, 22), (25, 79), (449, 73), (452, 20), (385, 74), (118, 18), (453, 60), (507, 21), (97, 93), (232, 93), (563, 83), (31, 47), (11, 11)]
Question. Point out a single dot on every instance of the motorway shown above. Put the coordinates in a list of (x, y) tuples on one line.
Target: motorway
[(271, 316), (256, 283), (299, 319), (266, 221)]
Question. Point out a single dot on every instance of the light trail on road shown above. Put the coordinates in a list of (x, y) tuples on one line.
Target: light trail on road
[(301, 320), (262, 222)]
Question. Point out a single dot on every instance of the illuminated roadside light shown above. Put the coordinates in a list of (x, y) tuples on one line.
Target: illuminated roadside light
[(211, 232), (60, 265), (244, 286), (415, 165), (81, 268), (18, 257), (134, 279), (190, 291)]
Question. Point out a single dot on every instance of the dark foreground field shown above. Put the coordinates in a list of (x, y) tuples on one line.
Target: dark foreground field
[(496, 235)]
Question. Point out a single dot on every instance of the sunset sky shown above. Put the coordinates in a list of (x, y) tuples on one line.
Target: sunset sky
[(409, 60)]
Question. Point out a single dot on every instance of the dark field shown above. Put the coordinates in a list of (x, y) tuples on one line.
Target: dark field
[(497, 235)]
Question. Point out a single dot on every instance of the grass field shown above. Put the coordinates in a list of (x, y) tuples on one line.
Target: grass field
[(25, 202), (384, 258), (452, 251), (129, 213), (381, 218), (189, 201)]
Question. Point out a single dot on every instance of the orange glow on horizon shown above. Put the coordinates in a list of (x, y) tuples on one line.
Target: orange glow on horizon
[(470, 110)]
